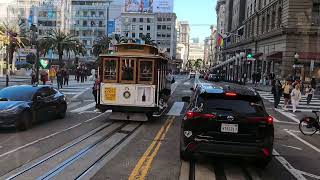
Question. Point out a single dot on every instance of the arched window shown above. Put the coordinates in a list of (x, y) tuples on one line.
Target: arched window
[(268, 23), (262, 25)]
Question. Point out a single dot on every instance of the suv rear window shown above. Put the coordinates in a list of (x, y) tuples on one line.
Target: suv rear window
[(244, 106)]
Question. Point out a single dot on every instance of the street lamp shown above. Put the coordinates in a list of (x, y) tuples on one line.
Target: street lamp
[(108, 11), (296, 58)]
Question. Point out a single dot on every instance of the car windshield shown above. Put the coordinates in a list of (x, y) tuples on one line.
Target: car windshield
[(16, 94)]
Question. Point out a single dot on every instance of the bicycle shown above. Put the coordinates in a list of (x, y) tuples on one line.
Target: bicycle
[(310, 125)]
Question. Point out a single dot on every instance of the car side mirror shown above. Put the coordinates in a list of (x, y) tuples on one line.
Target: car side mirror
[(186, 99)]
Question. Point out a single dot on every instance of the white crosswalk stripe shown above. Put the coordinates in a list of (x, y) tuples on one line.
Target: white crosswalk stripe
[(303, 106), (75, 88)]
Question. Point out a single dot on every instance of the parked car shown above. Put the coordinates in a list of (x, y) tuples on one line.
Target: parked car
[(23, 105), (227, 120), (213, 77)]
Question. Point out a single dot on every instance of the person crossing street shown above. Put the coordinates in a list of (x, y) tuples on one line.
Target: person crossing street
[(295, 97), (59, 79)]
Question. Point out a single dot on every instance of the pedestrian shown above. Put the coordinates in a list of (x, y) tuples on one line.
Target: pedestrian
[(52, 74), (286, 94), (59, 78), (95, 89), (85, 73), (78, 74), (295, 97), (309, 92), (254, 78), (66, 77), (44, 77), (277, 92), (313, 83), (33, 77), (258, 78)]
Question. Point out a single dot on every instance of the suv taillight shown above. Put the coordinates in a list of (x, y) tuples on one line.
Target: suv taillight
[(190, 115), (268, 119)]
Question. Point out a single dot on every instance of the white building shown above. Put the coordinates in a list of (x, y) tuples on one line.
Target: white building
[(196, 50), (183, 36)]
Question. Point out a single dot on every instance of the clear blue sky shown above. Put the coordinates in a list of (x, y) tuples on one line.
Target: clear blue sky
[(197, 12)]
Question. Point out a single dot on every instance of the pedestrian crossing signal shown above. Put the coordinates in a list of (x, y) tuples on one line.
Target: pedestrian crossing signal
[(44, 63), (249, 55)]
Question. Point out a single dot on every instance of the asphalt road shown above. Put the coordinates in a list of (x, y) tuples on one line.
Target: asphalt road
[(88, 145)]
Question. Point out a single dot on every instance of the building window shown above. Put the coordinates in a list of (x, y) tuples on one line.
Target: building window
[(252, 31), (158, 35), (148, 35), (140, 35), (101, 13), (163, 35), (134, 19), (84, 23), (159, 27), (168, 19), (93, 24), (93, 13), (84, 42), (262, 25), (100, 24), (169, 27), (164, 27), (133, 35), (168, 49), (279, 17), (268, 23), (273, 20), (85, 13), (159, 19), (141, 27), (148, 28), (148, 20), (168, 35), (141, 19), (133, 27)]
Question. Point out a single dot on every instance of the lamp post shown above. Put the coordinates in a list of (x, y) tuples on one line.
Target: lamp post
[(296, 58), (108, 11)]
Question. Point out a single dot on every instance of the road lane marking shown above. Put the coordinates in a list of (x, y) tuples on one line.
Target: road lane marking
[(176, 109), (303, 141), (295, 131), (204, 173), (292, 147), (184, 170), (84, 108), (76, 96), (73, 105), (144, 164), (44, 138), (309, 174), (233, 173), (288, 115), (296, 173)]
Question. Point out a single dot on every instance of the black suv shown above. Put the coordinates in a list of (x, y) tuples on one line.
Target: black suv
[(227, 120)]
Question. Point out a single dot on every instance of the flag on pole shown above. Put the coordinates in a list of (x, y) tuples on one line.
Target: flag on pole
[(220, 41)]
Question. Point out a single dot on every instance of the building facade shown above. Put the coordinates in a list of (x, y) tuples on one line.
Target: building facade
[(160, 27), (196, 50), (221, 22), (184, 38), (281, 35)]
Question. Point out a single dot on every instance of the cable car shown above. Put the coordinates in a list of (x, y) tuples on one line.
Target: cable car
[(133, 82)]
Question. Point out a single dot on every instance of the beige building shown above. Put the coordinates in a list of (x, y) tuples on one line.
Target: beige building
[(196, 50), (277, 33)]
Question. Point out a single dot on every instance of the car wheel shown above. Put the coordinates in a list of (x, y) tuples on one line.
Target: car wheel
[(262, 163), (62, 111), (25, 122)]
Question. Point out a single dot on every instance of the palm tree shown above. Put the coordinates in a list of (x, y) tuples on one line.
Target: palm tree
[(12, 37), (61, 42), (101, 45), (148, 40), (198, 63)]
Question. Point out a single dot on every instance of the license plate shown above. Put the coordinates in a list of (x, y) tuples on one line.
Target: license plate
[(229, 128), (110, 94)]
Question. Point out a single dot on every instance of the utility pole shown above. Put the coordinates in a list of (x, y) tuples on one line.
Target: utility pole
[(108, 11)]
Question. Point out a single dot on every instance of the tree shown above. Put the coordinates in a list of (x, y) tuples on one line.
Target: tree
[(61, 42), (12, 37), (190, 63), (198, 64), (101, 45)]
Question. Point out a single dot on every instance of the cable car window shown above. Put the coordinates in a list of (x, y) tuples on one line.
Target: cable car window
[(128, 67), (146, 71), (110, 70)]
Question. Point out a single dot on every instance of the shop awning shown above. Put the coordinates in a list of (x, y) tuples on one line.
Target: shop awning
[(257, 55), (309, 55), (275, 56)]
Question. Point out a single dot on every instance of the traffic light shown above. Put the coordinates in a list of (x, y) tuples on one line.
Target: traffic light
[(44, 63), (249, 55)]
